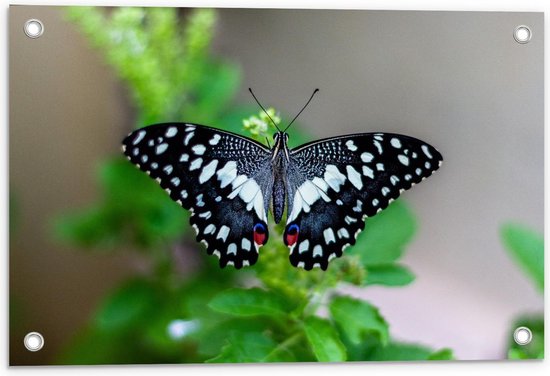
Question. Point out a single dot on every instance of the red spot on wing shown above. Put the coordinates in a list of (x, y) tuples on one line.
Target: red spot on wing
[(260, 234), (259, 238), (291, 234), (291, 239)]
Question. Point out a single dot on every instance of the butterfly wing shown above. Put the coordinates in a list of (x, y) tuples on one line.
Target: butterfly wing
[(334, 184), (219, 176)]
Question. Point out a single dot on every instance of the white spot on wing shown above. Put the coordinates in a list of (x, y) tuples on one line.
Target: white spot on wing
[(138, 137), (205, 215), (317, 251), (171, 132), (168, 169), (378, 146), (245, 244), (354, 177), (309, 192), (184, 157), (426, 151), (367, 157), (385, 191), (210, 229), (249, 190), (208, 171), (198, 149), (334, 177), (343, 233), (188, 138), (304, 246), (403, 159), (222, 234), (232, 249), (395, 143), (349, 220), (351, 146), (196, 164), (200, 202), (320, 183), (227, 173), (215, 139), (368, 172), (329, 236), (161, 148), (175, 181), (297, 204)]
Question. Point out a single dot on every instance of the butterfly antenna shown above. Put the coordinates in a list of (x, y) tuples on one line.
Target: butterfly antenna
[(303, 108), (267, 140), (262, 107)]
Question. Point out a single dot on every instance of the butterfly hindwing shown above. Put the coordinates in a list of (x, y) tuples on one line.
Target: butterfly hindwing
[(334, 184), (215, 174)]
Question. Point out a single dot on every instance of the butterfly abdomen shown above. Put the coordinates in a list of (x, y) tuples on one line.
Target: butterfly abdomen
[(278, 200)]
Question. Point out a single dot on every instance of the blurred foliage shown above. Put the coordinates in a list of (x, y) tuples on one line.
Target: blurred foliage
[(526, 247), (160, 316)]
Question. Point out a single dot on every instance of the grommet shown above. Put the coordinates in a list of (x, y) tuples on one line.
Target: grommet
[(522, 34), (33, 341), (33, 28), (523, 335)]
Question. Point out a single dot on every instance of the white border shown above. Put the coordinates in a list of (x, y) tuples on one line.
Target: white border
[(530, 368)]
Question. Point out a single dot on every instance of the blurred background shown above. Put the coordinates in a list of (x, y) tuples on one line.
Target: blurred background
[(457, 80)]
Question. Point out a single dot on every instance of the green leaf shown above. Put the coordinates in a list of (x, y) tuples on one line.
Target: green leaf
[(358, 319), (385, 235), (388, 275), (324, 340), (407, 352), (249, 347), (526, 247), (131, 304), (213, 336), (443, 354), (249, 302)]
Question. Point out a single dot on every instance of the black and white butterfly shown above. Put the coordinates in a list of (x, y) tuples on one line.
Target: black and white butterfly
[(229, 183)]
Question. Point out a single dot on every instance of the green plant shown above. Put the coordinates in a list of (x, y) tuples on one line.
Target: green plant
[(214, 314), (526, 247)]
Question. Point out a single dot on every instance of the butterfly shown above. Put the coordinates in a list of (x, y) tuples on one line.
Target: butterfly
[(230, 182)]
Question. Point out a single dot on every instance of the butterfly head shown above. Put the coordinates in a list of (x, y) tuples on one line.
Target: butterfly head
[(280, 144), (280, 137)]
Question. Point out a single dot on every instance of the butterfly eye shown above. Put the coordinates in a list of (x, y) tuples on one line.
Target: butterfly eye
[(291, 236), (260, 234)]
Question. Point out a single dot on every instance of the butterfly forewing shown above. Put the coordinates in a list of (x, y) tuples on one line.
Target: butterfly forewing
[(219, 176), (334, 184)]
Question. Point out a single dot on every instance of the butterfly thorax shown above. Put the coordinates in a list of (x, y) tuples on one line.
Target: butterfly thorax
[(279, 161)]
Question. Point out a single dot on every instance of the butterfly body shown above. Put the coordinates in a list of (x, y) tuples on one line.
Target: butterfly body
[(328, 187)]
